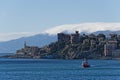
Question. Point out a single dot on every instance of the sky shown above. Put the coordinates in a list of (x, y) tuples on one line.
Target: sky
[(26, 17)]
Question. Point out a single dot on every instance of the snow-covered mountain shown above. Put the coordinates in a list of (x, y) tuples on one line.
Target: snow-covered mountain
[(49, 35)]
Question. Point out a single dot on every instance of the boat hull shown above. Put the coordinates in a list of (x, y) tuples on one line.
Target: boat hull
[(85, 66)]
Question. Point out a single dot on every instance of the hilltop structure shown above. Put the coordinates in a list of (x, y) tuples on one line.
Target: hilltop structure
[(72, 46), (69, 38)]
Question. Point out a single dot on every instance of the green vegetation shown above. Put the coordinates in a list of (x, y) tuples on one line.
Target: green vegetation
[(91, 46), (76, 46)]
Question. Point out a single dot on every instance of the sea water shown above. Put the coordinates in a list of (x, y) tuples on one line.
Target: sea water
[(53, 69)]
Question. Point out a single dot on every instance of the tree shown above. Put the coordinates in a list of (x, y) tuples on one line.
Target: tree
[(113, 36), (101, 36)]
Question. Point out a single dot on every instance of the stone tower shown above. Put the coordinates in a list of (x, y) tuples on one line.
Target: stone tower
[(25, 45)]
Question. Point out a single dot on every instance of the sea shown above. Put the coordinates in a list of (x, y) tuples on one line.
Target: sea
[(55, 69)]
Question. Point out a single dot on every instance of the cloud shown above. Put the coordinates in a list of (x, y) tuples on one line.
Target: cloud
[(84, 27), (10, 36)]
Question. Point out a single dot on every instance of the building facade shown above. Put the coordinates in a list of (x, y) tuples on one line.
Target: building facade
[(71, 38)]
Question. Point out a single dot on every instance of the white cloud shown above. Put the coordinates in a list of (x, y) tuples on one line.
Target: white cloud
[(85, 27), (10, 36)]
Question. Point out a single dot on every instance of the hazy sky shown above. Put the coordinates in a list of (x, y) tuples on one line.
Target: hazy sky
[(21, 16)]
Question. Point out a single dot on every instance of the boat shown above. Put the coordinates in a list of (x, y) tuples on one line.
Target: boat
[(85, 64)]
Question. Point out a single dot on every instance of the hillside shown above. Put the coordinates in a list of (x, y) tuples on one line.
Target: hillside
[(75, 46), (49, 35), (37, 40)]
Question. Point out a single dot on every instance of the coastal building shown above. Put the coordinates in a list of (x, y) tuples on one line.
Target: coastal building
[(116, 53), (69, 38), (28, 50), (92, 43), (75, 37), (64, 37), (75, 46), (110, 47)]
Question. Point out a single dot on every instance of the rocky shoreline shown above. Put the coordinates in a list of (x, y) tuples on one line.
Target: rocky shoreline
[(30, 57)]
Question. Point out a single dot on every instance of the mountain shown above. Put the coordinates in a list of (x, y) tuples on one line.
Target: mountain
[(49, 35), (37, 40)]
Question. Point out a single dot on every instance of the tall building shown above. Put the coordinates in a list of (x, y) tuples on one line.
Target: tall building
[(72, 38), (109, 47)]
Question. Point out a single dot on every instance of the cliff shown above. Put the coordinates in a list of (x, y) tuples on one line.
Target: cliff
[(75, 46)]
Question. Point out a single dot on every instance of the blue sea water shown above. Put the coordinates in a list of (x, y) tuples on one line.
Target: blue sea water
[(51, 69)]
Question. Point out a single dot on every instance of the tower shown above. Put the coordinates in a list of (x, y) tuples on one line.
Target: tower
[(25, 45)]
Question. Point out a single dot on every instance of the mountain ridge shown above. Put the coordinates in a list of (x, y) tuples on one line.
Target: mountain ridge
[(48, 36), (37, 40)]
